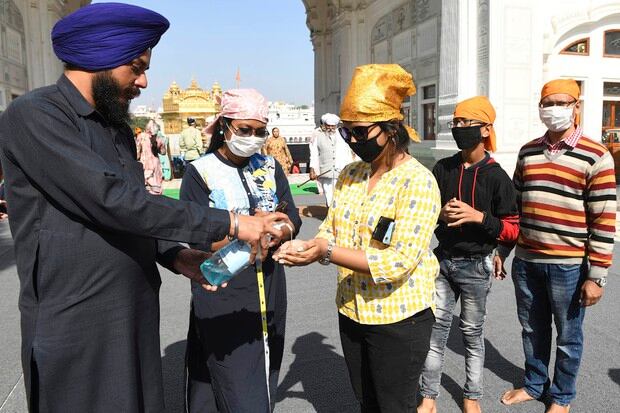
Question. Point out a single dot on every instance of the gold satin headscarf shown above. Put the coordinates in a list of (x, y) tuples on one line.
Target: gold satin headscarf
[(566, 86), (479, 108), (376, 93)]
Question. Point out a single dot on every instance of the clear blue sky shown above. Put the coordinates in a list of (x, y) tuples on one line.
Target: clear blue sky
[(208, 39)]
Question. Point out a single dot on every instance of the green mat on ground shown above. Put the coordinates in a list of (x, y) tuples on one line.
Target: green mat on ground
[(308, 189), (172, 193)]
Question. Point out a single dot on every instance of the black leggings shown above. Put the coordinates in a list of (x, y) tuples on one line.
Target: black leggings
[(385, 361)]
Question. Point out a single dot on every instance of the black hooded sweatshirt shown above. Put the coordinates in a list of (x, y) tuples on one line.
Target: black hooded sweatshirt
[(486, 187)]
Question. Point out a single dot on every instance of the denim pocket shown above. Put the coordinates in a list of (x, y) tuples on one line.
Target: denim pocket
[(485, 266)]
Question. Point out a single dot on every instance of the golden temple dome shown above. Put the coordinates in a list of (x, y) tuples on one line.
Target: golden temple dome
[(193, 102)]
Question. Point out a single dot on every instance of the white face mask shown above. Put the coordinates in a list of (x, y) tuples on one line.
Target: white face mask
[(245, 146), (557, 118)]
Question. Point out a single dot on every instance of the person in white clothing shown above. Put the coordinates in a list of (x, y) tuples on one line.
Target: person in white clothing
[(329, 154)]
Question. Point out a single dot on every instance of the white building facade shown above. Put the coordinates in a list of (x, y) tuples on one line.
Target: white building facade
[(296, 123), (457, 49), (27, 60)]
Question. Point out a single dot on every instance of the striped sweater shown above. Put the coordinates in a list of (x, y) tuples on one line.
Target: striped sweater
[(567, 203)]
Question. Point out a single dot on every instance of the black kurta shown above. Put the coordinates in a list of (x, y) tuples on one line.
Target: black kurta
[(86, 244)]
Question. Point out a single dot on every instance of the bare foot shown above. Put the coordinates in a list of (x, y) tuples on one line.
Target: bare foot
[(515, 396), (427, 406), (556, 408), (471, 406)]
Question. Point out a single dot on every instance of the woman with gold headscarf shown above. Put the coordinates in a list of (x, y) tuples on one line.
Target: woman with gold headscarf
[(378, 232)]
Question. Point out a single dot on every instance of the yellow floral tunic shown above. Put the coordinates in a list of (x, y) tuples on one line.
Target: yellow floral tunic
[(402, 279), (278, 148)]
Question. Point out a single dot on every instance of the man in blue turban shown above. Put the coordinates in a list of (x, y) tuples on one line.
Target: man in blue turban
[(88, 236), (110, 42), (106, 35)]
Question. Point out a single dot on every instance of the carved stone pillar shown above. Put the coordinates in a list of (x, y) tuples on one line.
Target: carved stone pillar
[(515, 66), (448, 89), (34, 44), (49, 16)]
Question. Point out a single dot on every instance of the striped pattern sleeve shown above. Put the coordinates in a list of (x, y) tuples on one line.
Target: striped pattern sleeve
[(567, 205), (601, 212)]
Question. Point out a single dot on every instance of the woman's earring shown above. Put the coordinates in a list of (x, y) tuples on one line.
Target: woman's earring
[(221, 132)]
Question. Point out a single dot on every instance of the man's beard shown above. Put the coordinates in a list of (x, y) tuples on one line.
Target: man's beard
[(111, 101)]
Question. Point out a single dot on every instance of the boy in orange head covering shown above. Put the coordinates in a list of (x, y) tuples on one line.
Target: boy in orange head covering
[(567, 197), (479, 212), (479, 108)]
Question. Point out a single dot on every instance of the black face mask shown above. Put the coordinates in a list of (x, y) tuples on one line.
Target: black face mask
[(368, 150), (467, 138)]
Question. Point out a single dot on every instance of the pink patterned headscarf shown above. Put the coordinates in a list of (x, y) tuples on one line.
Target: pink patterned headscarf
[(241, 104)]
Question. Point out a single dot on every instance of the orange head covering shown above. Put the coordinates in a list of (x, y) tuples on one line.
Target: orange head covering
[(565, 86), (479, 108), (376, 93), (137, 131)]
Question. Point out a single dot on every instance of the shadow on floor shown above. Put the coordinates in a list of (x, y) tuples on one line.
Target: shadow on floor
[(173, 365), (614, 374), (313, 211), (322, 374), (493, 361)]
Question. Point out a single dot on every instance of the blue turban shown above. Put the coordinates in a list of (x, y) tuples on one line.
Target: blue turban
[(106, 35)]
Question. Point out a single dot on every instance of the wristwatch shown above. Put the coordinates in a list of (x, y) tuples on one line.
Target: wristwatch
[(326, 260), (601, 282)]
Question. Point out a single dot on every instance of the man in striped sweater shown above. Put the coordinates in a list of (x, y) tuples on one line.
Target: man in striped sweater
[(566, 192)]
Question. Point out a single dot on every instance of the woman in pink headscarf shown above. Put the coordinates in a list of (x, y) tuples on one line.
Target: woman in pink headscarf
[(229, 367), (149, 146)]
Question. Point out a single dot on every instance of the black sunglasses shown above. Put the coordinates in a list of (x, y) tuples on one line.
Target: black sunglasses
[(360, 133), (246, 132)]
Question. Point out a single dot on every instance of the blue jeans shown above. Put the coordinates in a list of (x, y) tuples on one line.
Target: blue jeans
[(546, 291), (469, 279)]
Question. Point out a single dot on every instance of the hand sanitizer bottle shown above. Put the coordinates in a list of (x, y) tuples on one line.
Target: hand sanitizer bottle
[(226, 262)]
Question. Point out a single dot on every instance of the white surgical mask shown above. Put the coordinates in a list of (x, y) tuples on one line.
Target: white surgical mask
[(557, 118), (245, 146)]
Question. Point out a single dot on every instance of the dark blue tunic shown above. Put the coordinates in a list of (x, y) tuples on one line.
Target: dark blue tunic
[(225, 352), (87, 238)]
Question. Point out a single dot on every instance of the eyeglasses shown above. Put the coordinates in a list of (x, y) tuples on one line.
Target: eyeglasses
[(560, 104), (464, 123), (360, 133), (246, 131)]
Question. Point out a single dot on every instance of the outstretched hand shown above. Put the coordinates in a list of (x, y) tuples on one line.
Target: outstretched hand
[(188, 261), (300, 253), (285, 225), (254, 230)]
